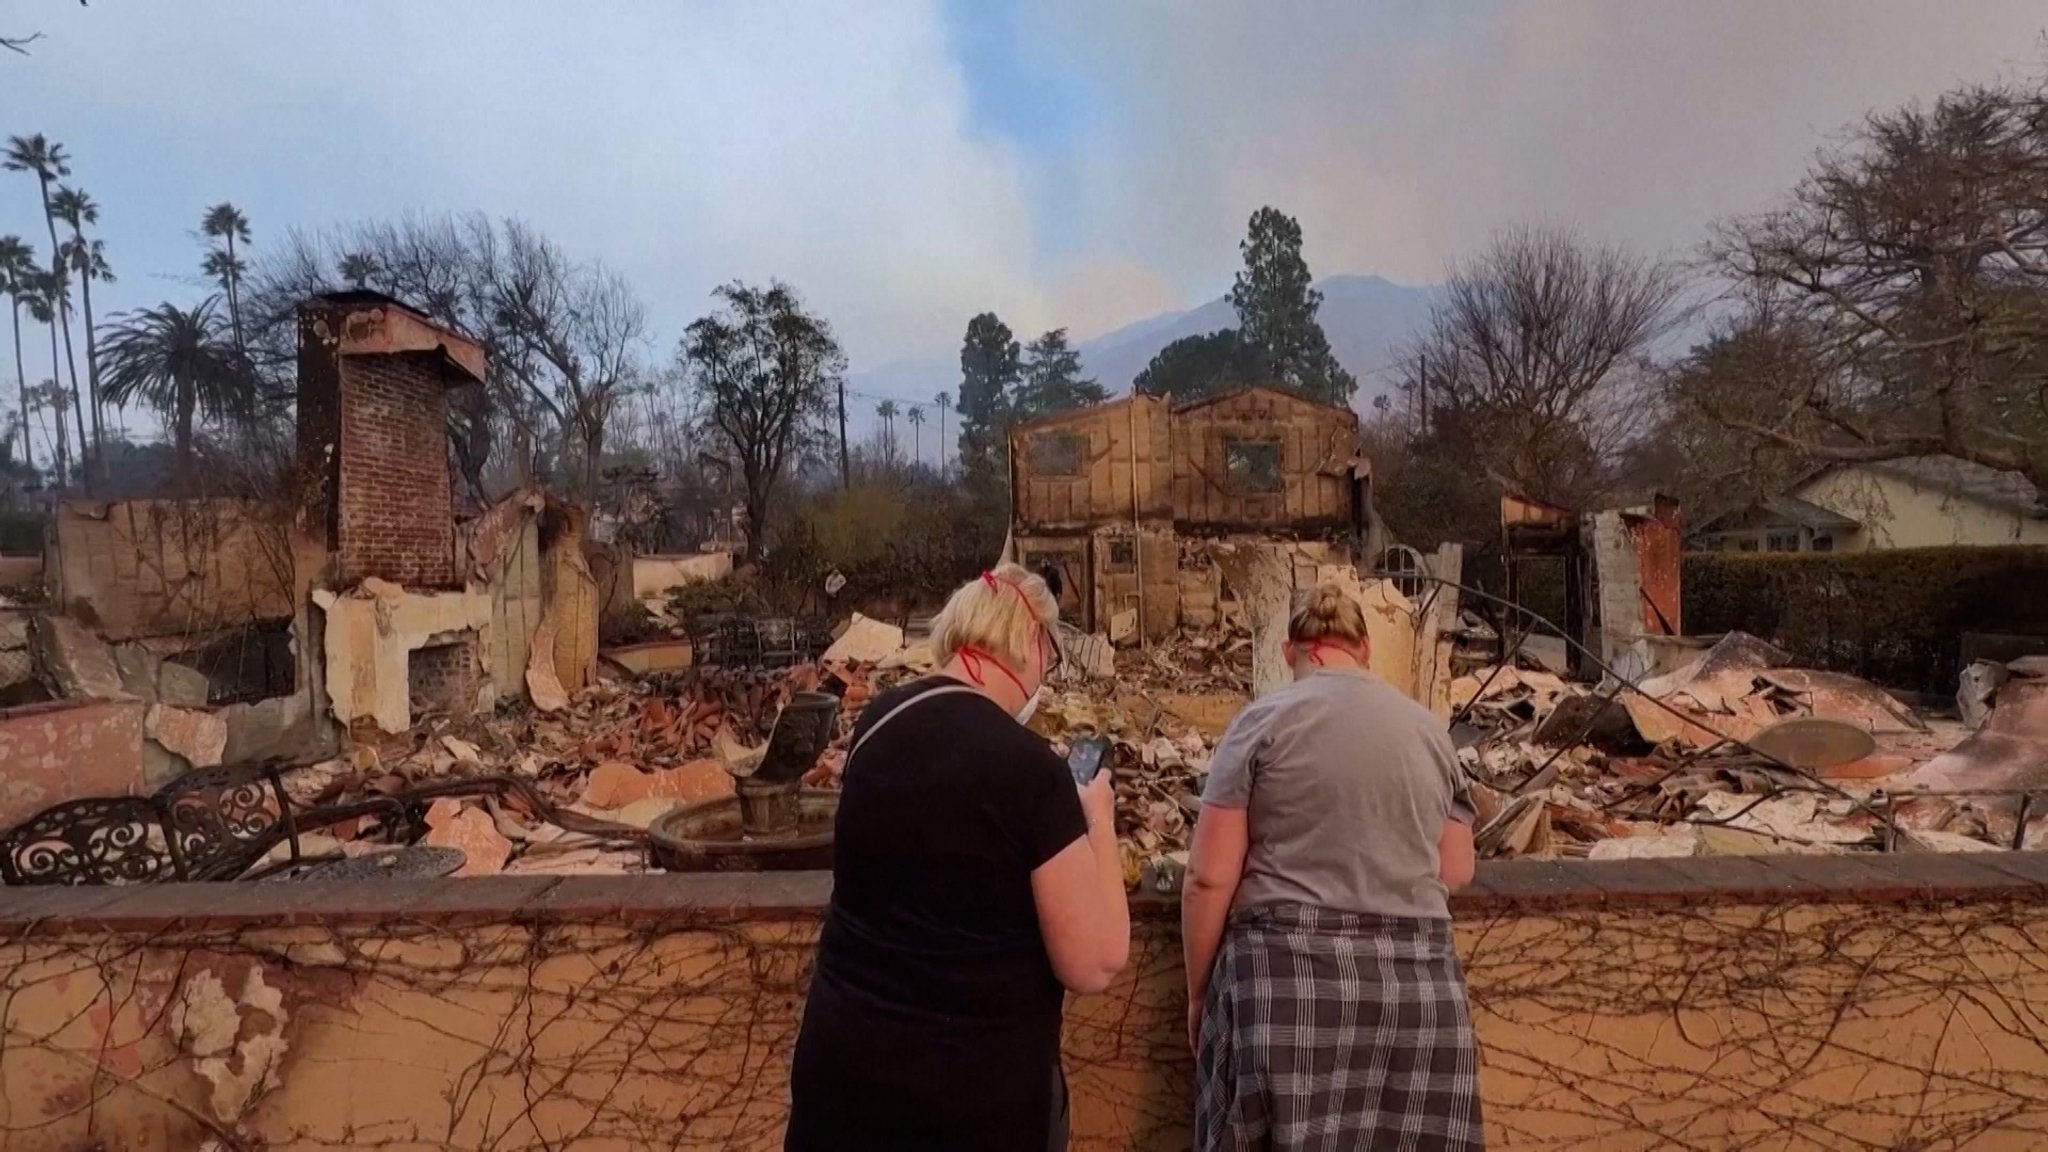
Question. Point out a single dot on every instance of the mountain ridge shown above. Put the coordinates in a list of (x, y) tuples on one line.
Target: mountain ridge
[(1367, 318)]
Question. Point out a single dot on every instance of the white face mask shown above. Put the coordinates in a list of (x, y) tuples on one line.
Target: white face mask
[(1030, 707)]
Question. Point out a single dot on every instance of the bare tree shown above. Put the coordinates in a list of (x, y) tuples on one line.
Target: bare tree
[(1537, 357), (566, 341), (1907, 281), (573, 337), (765, 369), (1750, 358)]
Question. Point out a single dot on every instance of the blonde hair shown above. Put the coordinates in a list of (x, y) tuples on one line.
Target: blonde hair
[(1326, 613), (989, 613)]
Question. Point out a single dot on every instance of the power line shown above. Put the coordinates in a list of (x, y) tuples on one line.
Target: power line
[(899, 401)]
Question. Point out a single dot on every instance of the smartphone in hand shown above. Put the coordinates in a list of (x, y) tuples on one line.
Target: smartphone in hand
[(1085, 757)]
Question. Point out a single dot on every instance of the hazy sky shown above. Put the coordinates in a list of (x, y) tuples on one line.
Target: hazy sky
[(905, 165)]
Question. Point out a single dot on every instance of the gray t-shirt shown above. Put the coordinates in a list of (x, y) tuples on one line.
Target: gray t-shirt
[(1348, 783)]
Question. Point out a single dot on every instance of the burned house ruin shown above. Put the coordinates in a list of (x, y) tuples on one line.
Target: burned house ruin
[(253, 626), (1121, 498)]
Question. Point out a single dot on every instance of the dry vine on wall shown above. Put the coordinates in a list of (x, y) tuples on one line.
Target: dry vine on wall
[(1794, 1027)]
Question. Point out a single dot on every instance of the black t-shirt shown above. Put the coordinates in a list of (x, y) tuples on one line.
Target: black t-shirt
[(934, 1019), (943, 816)]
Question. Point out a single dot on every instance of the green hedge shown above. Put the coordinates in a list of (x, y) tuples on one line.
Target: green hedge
[(1895, 617)]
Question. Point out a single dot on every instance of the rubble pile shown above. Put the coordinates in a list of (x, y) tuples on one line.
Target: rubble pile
[(1194, 660), (1191, 663), (1158, 761), (620, 753), (1734, 753)]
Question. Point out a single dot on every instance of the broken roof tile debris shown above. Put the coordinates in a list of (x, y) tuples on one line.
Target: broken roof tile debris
[(1738, 753)]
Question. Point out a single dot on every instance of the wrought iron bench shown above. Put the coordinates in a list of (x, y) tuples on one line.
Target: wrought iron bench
[(218, 823), (102, 840), (208, 824)]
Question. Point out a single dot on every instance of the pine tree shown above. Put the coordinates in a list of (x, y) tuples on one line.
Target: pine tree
[(1276, 304), (1196, 366), (1052, 379), (990, 368)]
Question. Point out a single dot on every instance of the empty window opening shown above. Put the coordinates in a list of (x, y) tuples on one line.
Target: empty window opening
[(1056, 454), (1253, 467)]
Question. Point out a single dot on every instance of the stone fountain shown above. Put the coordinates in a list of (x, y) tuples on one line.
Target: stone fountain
[(772, 823)]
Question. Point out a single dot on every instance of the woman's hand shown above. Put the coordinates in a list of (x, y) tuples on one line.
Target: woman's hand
[(1082, 910), (1098, 803)]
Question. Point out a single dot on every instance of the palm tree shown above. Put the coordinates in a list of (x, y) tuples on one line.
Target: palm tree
[(359, 268), (178, 363), (89, 261), (50, 162), (916, 418), (225, 222), (945, 401), (225, 269), (44, 298), (17, 264), (887, 411), (57, 314)]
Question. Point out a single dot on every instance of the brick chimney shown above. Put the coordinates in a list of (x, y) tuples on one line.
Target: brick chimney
[(373, 470)]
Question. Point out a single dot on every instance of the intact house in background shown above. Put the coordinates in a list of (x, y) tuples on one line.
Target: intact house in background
[(1122, 499), (1918, 502)]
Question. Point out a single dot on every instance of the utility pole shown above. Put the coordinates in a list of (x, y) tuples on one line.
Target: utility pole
[(1422, 392), (845, 471)]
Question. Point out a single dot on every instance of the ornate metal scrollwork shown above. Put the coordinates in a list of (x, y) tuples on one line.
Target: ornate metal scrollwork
[(111, 840), (221, 820)]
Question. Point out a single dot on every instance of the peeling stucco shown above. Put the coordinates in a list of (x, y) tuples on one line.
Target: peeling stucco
[(50, 753), (237, 1044), (371, 632)]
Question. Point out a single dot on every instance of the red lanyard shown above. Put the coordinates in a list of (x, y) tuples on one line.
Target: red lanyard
[(1315, 651), (971, 658), (970, 663)]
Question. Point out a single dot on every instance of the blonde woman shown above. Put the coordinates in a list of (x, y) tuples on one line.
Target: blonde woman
[(973, 884), (1325, 1004)]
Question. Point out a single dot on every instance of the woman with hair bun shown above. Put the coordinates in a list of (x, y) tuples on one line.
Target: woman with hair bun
[(1326, 1005), (973, 884)]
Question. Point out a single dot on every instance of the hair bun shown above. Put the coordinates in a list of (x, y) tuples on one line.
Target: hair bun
[(1329, 602)]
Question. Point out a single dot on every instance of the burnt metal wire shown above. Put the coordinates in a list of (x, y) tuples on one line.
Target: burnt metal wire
[(1884, 814)]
